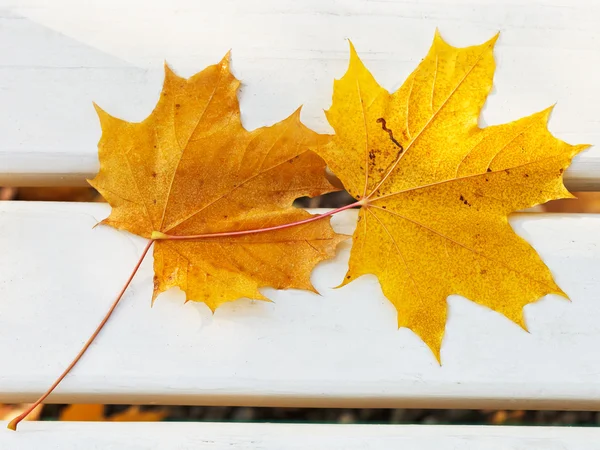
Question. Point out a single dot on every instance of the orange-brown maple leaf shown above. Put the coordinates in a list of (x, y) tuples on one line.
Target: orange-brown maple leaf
[(191, 168)]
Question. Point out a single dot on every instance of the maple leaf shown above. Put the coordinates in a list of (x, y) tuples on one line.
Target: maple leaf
[(191, 168), (437, 189)]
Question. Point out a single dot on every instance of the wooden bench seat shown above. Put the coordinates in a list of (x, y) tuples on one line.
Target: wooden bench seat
[(341, 349), (266, 436)]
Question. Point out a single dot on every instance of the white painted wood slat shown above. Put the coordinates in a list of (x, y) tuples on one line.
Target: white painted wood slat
[(57, 57), (220, 436), (58, 275)]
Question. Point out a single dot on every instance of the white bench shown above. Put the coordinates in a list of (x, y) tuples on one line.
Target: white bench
[(58, 275)]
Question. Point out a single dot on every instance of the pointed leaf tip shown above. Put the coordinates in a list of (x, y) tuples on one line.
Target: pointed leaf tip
[(354, 58), (313, 289), (168, 70), (297, 112), (546, 113), (98, 109), (437, 353), (494, 38), (352, 48), (225, 62), (103, 116), (353, 52)]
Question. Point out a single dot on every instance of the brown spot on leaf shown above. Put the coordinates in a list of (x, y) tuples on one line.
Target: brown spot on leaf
[(384, 127)]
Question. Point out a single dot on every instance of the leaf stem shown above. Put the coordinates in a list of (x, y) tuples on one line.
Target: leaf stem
[(13, 423), (157, 235)]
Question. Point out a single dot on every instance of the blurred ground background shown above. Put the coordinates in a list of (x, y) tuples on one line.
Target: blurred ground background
[(587, 202)]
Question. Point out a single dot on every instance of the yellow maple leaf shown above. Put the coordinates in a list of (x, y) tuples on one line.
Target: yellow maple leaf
[(191, 168), (437, 189)]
